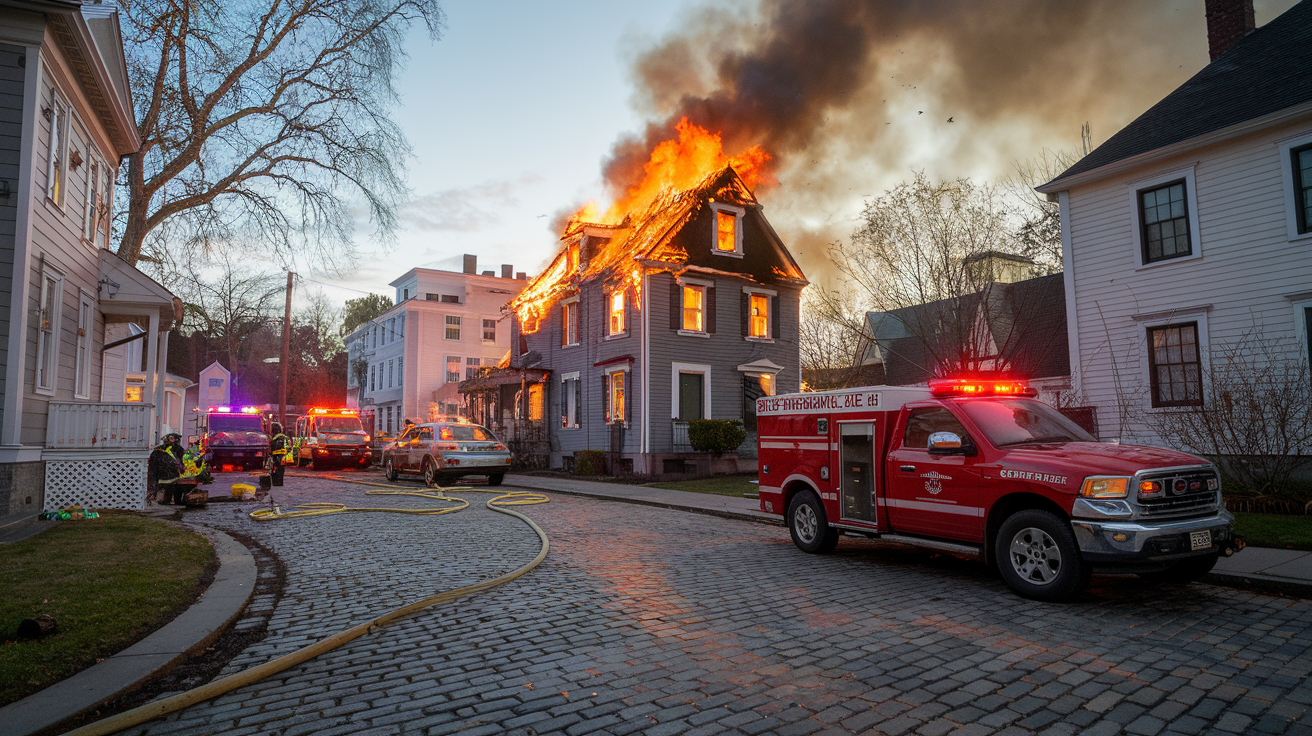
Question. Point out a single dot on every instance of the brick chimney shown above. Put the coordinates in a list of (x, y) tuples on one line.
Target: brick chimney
[(471, 264), (1228, 21), (506, 270)]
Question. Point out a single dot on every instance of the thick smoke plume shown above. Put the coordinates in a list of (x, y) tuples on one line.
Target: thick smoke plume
[(849, 96)]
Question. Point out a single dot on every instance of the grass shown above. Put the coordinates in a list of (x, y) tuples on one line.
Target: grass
[(108, 582), (720, 485), (1275, 530)]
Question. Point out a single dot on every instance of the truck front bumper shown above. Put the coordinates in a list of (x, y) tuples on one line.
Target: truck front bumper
[(1149, 541)]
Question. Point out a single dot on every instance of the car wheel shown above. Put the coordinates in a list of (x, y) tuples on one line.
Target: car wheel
[(1185, 571), (1038, 557), (389, 469), (430, 474), (808, 525), (495, 479)]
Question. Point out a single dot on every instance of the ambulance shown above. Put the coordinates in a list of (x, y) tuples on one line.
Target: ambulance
[(981, 468), (325, 437)]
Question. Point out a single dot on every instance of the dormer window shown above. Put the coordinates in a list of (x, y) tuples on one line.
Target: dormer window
[(728, 236)]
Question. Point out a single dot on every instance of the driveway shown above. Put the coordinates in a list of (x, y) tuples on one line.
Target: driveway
[(648, 620)]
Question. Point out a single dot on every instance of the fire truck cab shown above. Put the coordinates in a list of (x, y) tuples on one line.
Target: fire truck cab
[(982, 468), (326, 437), (234, 437)]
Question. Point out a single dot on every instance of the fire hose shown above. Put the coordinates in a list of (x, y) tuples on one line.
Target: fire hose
[(175, 703)]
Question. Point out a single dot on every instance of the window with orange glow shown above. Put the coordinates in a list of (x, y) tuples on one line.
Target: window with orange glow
[(536, 402), (569, 328), (616, 313), (726, 223), (615, 405), (758, 323), (693, 308)]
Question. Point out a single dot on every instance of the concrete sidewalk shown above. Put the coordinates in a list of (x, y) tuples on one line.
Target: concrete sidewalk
[(1278, 570)]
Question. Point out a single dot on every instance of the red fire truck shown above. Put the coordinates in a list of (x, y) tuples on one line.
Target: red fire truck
[(982, 468)]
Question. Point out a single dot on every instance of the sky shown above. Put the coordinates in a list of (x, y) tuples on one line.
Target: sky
[(514, 111)]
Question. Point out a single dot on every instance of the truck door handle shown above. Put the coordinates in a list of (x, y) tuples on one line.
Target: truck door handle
[(909, 468)]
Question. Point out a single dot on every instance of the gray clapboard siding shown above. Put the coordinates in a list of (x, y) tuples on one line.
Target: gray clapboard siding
[(11, 136)]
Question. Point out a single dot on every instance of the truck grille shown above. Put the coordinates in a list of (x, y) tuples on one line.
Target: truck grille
[(1195, 502)]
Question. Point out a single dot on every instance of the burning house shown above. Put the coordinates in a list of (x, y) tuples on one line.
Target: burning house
[(680, 304)]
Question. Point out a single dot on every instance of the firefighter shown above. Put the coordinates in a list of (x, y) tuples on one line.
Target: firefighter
[(277, 454), (166, 467)]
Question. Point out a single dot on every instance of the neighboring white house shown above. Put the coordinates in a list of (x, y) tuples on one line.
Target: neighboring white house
[(444, 327), (1191, 228), (66, 300)]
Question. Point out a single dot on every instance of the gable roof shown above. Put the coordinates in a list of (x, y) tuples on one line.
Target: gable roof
[(1269, 70)]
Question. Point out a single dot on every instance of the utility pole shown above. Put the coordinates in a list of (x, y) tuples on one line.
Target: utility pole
[(286, 345)]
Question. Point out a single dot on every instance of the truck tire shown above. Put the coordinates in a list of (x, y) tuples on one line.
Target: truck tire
[(808, 525), (1038, 557), (1185, 571), (431, 478), (495, 479), (389, 469)]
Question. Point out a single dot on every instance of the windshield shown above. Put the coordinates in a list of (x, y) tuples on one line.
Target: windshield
[(338, 424), (236, 423), (1008, 422), (465, 432)]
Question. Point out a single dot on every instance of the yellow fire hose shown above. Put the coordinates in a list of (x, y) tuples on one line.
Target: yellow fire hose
[(174, 703)]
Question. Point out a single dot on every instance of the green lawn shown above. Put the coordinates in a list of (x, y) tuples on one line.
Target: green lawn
[(720, 485), (108, 582), (1275, 530)]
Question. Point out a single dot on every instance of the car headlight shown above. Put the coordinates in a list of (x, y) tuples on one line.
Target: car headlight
[(1104, 487)]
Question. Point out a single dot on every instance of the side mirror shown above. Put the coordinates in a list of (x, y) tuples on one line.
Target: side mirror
[(947, 443)]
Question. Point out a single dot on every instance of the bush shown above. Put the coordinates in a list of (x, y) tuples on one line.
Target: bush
[(589, 462), (716, 436)]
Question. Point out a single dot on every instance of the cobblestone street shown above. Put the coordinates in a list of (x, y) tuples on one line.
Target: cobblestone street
[(647, 620)]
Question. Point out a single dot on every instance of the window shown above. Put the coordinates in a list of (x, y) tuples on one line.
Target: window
[(1302, 169), (85, 324), (767, 384), (754, 387), (90, 203), (569, 327), (373, 371), (432, 297), (489, 331), (391, 327), (471, 368), (452, 327), (106, 204), (1174, 366), (401, 326), (758, 315), (56, 156), (47, 349), (569, 400), (694, 298), (452, 368), (391, 366), (405, 295), (537, 402), (615, 407), (400, 371), (728, 239), (921, 423), (450, 298), (1165, 219), (616, 325)]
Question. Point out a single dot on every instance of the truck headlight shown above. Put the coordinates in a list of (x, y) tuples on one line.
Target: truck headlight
[(1104, 487)]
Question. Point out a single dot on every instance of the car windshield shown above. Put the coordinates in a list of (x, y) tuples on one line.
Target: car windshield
[(339, 424), (1009, 422), (465, 432), (235, 423)]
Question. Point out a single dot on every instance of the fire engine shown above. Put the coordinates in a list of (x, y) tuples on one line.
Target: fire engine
[(234, 437), (330, 436), (982, 468)]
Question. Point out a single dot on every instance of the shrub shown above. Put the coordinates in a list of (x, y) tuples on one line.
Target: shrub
[(589, 462), (716, 436)]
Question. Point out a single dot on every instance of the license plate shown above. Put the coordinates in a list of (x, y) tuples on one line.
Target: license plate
[(1200, 540)]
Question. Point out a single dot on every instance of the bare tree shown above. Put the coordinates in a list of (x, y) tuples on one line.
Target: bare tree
[(261, 121), (230, 307), (1038, 234), (831, 341)]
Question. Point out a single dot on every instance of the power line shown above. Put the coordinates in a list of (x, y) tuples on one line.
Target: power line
[(335, 286)]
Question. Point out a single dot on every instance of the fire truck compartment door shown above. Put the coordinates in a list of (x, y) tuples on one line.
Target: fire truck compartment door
[(933, 495), (856, 480)]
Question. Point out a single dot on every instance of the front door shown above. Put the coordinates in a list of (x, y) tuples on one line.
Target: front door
[(856, 462), (691, 390), (933, 495)]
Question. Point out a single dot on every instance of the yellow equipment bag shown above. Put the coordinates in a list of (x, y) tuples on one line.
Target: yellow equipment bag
[(243, 490)]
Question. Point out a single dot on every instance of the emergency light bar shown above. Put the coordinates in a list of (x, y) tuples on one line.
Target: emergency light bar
[(961, 387), (221, 409), (343, 412)]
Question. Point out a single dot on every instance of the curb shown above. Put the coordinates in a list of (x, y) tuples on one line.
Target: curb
[(722, 513), (191, 630), (1261, 583)]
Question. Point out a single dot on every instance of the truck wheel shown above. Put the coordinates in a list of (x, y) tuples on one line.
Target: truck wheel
[(808, 526), (1038, 557), (389, 469), (495, 479), (430, 474), (1185, 571)]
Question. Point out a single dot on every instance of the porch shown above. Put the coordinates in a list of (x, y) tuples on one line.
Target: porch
[(96, 454)]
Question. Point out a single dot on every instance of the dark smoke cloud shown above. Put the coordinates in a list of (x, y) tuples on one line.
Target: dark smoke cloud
[(850, 95)]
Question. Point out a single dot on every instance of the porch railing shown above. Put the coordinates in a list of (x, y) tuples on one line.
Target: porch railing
[(84, 425), (681, 443)]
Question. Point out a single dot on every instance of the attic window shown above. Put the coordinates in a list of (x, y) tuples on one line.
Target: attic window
[(728, 240), (450, 298)]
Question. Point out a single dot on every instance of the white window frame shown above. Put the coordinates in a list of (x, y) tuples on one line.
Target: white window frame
[(737, 212), (90, 203), (57, 149), (400, 372), (703, 284), (476, 364), (1298, 302), (446, 368), (610, 313), (572, 397), (47, 359), (675, 370), (1287, 147), (106, 203), (569, 324), (493, 320), (391, 373), (1146, 322), (86, 324), (446, 325), (609, 374), (1136, 216), (770, 299)]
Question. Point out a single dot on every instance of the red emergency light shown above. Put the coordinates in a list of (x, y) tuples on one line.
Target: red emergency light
[(962, 387), (343, 412)]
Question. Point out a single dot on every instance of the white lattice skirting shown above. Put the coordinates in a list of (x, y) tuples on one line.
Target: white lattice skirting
[(101, 483)]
